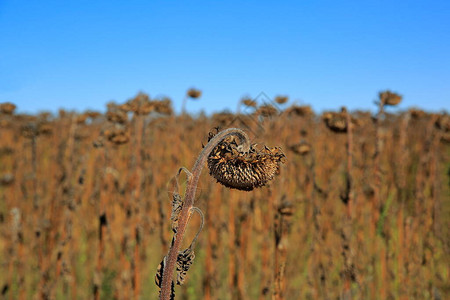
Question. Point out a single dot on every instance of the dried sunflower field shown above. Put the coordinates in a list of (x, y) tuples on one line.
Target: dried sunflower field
[(358, 209)]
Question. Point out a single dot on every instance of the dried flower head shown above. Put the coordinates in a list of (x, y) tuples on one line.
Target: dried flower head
[(80, 119), (92, 114), (243, 171), (303, 111), (249, 102), (389, 98), (336, 122), (286, 208), (301, 148), (163, 106), (194, 93), (281, 99), (139, 105), (442, 122), (7, 108), (62, 113), (416, 113), (267, 110), (45, 128), (117, 135), (29, 130), (117, 116), (44, 116)]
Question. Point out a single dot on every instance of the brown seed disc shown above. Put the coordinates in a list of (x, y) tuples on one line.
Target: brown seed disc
[(243, 171)]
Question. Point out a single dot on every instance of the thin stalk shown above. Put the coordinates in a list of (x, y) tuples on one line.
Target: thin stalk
[(189, 202), (66, 242), (37, 215), (401, 188), (376, 203), (346, 235), (244, 238), (138, 135), (317, 237), (102, 224), (282, 224), (376, 166), (232, 276), (350, 203), (183, 108), (266, 270)]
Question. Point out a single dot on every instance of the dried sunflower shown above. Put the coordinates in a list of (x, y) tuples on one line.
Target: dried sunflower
[(80, 119), (301, 148), (163, 106), (93, 114), (389, 98), (7, 108), (417, 113), (249, 102), (281, 99), (336, 122), (194, 93), (140, 104), (117, 135), (267, 110), (303, 111), (243, 171), (117, 116), (442, 122)]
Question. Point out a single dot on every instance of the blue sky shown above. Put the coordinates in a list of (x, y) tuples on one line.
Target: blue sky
[(82, 54)]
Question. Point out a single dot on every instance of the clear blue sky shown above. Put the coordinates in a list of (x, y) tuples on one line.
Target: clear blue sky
[(83, 54)]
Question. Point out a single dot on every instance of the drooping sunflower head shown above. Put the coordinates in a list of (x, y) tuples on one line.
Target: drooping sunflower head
[(233, 168), (389, 98), (7, 108)]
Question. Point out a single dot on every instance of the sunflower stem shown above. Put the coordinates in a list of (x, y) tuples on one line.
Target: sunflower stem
[(189, 202)]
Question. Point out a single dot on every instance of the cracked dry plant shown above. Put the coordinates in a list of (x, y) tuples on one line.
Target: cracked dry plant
[(233, 162)]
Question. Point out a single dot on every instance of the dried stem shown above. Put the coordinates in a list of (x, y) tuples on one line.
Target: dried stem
[(400, 180), (350, 203), (189, 202), (266, 269), (102, 224), (349, 268), (376, 165), (183, 108), (139, 128), (282, 224), (376, 204), (232, 264)]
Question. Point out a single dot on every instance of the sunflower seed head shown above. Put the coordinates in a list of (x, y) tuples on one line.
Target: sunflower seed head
[(244, 171)]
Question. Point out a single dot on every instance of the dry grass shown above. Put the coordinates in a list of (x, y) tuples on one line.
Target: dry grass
[(85, 210)]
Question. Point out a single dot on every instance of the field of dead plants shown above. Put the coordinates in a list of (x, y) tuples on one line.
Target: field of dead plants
[(360, 208)]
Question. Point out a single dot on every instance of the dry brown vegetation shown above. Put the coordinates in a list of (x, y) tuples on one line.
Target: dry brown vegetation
[(359, 211)]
